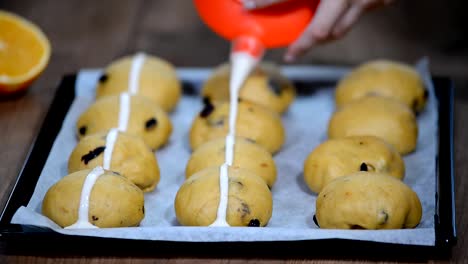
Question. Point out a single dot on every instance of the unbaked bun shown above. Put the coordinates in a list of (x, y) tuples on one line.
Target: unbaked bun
[(377, 116), (157, 80), (368, 200), (384, 78)]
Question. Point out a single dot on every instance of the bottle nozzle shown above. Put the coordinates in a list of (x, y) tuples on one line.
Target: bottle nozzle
[(248, 44)]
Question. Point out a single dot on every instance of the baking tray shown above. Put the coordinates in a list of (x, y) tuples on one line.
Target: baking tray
[(34, 240)]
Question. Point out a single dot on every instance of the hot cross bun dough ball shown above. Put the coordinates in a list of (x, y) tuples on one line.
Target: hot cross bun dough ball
[(265, 86), (339, 157), (114, 201), (146, 120), (131, 158), (384, 78), (368, 200), (158, 80), (254, 122), (249, 200), (377, 116), (247, 155)]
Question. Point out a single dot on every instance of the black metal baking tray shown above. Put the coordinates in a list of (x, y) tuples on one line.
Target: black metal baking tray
[(43, 241)]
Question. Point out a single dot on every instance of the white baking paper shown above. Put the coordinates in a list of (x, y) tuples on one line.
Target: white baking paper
[(293, 205)]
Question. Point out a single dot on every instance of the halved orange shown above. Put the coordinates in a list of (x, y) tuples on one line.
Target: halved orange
[(24, 52)]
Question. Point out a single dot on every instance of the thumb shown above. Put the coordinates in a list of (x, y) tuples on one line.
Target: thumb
[(257, 4)]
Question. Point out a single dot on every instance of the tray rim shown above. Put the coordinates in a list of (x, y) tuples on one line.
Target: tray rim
[(445, 227)]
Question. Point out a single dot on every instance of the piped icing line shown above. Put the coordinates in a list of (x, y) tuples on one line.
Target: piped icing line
[(242, 65), (124, 112), (111, 138), (83, 210), (229, 153), (221, 214), (135, 70)]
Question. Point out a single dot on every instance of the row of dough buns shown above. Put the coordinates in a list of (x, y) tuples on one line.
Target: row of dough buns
[(358, 172), (113, 163), (259, 134)]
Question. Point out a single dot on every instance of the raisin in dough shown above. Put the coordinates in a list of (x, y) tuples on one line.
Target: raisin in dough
[(265, 86), (368, 200), (255, 122), (114, 201), (377, 116), (249, 202), (146, 120), (158, 81), (130, 158), (384, 78), (339, 157), (247, 155)]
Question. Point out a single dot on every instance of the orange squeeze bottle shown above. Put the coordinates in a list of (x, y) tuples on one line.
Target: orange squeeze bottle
[(251, 31)]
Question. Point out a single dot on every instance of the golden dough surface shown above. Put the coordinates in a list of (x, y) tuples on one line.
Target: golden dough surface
[(114, 201), (384, 78), (146, 120), (254, 122), (130, 157), (249, 200), (158, 81), (377, 116), (339, 157), (368, 200), (247, 155), (265, 86)]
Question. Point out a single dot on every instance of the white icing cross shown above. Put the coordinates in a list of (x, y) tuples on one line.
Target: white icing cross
[(124, 113), (111, 138), (135, 70), (83, 209)]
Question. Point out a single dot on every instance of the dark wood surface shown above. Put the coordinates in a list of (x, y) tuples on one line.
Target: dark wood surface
[(91, 33)]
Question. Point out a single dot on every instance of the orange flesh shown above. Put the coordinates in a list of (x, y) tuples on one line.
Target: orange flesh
[(20, 48)]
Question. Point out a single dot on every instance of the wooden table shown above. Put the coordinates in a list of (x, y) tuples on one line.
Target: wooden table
[(91, 33)]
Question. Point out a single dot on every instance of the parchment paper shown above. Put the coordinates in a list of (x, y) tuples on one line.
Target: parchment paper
[(293, 205)]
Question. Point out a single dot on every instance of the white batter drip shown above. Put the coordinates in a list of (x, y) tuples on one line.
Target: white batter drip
[(124, 115), (135, 70), (111, 138), (124, 112), (242, 64), (83, 209)]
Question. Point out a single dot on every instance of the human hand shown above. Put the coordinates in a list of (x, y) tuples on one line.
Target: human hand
[(333, 19)]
